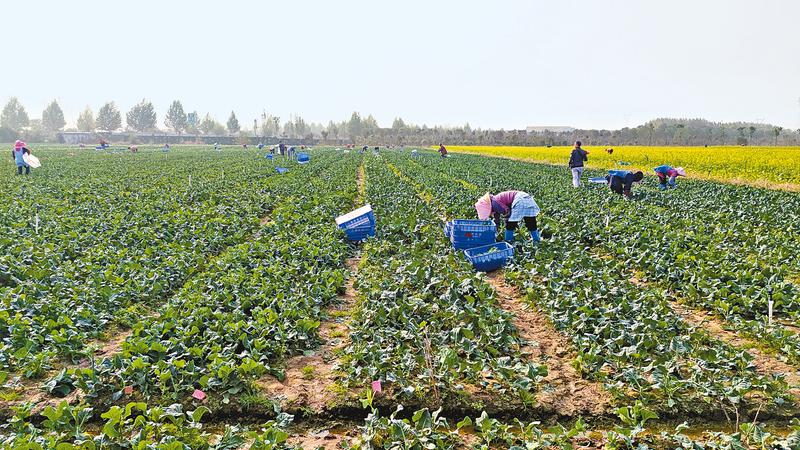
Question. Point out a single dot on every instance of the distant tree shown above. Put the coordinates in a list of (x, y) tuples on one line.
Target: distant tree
[(14, 115), (370, 126), (142, 117), (109, 118), (679, 132), (722, 135), (398, 124), (208, 124), (777, 132), (176, 118), (355, 126), (751, 130), (192, 122), (233, 124), (85, 120), (333, 129), (651, 127), (300, 126), (53, 118)]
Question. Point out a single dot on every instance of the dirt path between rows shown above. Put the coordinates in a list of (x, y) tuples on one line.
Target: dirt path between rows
[(30, 390), (309, 379), (326, 439), (765, 363), (361, 183), (422, 193), (564, 391)]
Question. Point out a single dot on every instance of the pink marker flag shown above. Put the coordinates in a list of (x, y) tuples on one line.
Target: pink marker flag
[(376, 387), (199, 395)]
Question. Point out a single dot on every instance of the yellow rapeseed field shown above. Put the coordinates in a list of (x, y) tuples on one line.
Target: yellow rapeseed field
[(772, 167)]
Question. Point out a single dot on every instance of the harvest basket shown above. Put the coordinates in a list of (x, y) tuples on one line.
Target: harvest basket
[(490, 257), (281, 169), (465, 234), (358, 224)]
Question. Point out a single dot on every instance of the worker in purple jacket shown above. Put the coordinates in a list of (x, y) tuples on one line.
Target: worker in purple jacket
[(514, 206)]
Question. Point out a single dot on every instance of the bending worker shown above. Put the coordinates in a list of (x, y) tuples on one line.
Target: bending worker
[(513, 206), (621, 181), (19, 157), (443, 151), (665, 173)]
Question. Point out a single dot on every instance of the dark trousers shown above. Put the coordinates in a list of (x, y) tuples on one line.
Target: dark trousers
[(530, 224), (27, 170)]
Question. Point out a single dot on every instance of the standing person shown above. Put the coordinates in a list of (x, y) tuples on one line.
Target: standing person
[(282, 148), (576, 159), (666, 172), (621, 181), (514, 206), (442, 150), (19, 157)]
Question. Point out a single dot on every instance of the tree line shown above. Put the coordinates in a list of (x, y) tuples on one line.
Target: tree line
[(142, 117)]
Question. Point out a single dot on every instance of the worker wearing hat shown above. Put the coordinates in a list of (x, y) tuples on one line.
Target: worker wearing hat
[(667, 174), (18, 154), (514, 206)]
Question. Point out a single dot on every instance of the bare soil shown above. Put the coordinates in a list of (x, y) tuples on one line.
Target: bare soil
[(564, 391), (328, 439), (309, 380), (764, 362)]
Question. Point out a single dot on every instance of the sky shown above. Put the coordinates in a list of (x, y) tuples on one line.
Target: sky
[(493, 64)]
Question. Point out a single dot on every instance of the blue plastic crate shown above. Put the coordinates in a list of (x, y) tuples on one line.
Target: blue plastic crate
[(485, 260), (303, 158), (466, 234), (360, 217), (358, 224), (448, 228), (268, 156), (359, 233), (281, 169)]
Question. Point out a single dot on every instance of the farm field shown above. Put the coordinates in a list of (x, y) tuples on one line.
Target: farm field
[(199, 299), (770, 167)]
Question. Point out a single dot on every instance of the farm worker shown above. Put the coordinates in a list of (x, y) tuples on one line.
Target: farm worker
[(282, 148), (621, 181), (576, 159), (291, 152), (666, 172), (165, 148), (442, 150), (216, 146), (133, 149), (260, 145), (18, 154), (513, 206)]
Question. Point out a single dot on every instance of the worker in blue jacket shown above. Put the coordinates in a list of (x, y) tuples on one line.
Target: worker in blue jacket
[(621, 181)]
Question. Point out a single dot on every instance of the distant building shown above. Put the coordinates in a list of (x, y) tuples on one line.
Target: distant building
[(552, 129)]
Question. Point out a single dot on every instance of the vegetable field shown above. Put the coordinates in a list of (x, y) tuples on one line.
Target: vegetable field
[(771, 167), (198, 299)]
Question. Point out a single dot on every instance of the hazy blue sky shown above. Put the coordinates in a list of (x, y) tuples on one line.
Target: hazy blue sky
[(501, 64)]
